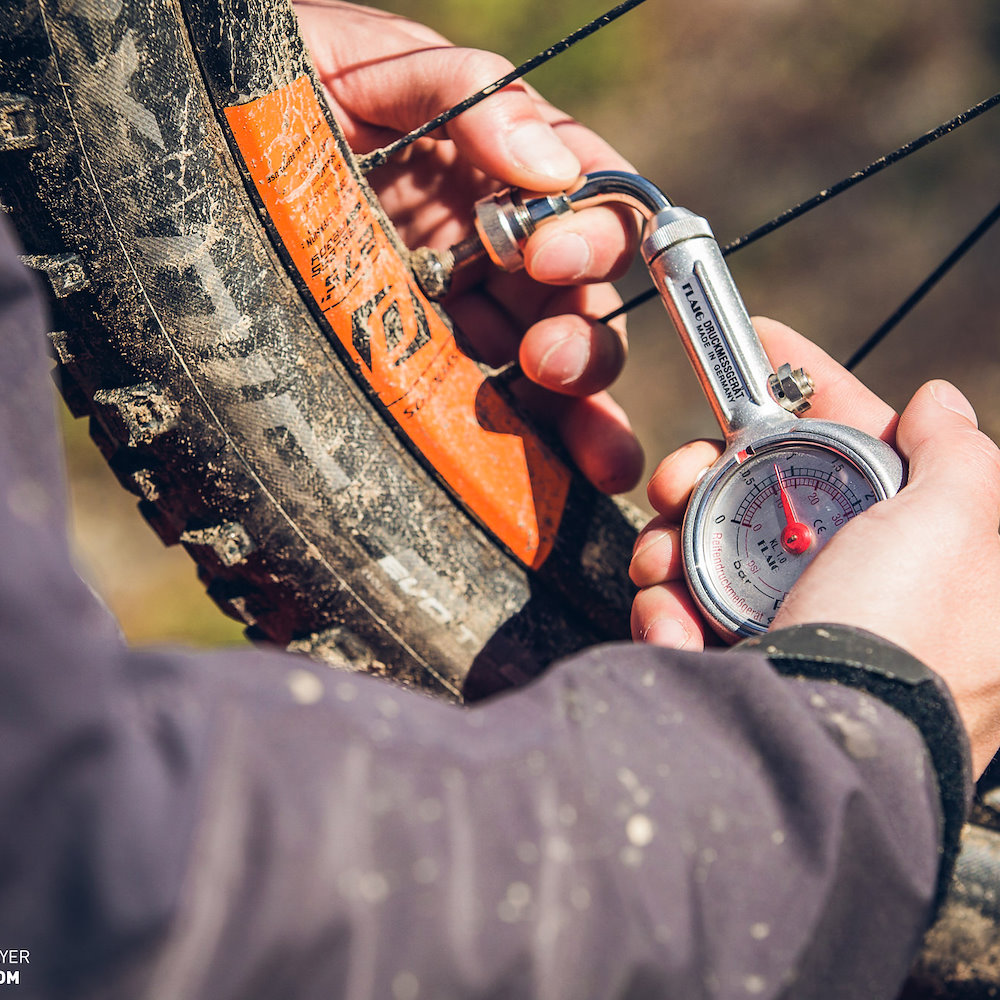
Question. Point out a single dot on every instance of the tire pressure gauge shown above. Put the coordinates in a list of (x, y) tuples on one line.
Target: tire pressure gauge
[(783, 486), (761, 514)]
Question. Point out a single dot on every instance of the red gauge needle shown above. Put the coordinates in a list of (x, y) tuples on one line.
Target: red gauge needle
[(796, 537)]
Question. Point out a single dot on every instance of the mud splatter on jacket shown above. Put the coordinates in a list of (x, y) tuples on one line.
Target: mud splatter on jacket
[(754, 823)]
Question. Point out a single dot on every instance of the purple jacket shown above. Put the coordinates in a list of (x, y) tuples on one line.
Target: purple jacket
[(639, 822)]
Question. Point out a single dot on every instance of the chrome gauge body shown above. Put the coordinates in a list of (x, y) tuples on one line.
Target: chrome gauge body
[(763, 512), (783, 486)]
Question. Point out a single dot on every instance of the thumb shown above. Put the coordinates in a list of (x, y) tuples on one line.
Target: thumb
[(950, 460), (411, 74), (508, 135)]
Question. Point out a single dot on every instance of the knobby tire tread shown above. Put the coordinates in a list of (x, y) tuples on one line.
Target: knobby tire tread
[(219, 396), (213, 386)]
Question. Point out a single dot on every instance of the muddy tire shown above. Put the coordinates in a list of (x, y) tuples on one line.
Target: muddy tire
[(284, 427), (276, 415)]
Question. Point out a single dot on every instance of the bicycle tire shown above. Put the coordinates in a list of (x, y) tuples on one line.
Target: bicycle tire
[(252, 418), (222, 396)]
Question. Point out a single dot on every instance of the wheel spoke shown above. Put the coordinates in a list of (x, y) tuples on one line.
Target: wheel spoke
[(907, 149), (931, 280), (379, 156), (828, 193)]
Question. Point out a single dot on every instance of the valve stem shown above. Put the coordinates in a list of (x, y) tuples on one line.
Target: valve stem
[(505, 220), (435, 270)]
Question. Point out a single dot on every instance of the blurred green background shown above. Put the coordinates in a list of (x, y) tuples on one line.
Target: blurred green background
[(736, 110)]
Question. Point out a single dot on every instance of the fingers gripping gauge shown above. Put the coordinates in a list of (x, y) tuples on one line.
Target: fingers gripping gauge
[(782, 487)]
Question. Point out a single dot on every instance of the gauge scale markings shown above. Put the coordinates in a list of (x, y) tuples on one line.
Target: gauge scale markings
[(808, 476), (785, 502)]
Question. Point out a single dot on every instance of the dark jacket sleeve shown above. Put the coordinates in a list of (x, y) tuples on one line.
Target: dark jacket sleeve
[(637, 823)]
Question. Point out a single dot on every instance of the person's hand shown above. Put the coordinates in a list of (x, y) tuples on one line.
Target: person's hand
[(664, 612), (385, 75), (929, 561), (921, 569)]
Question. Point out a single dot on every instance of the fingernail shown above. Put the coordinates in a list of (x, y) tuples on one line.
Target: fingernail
[(951, 399), (564, 362), (536, 147), (563, 257), (666, 632), (649, 538)]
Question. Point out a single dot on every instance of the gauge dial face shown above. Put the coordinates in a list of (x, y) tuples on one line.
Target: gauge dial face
[(764, 520)]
